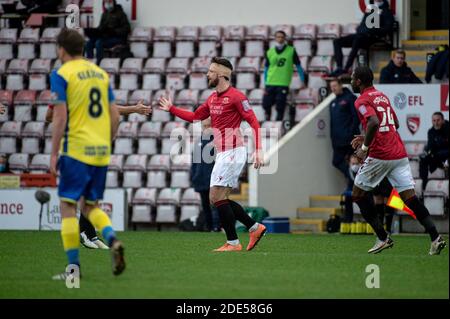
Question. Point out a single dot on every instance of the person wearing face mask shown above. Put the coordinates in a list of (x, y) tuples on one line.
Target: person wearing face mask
[(278, 72), (113, 30), (365, 36), (397, 71), (436, 151)]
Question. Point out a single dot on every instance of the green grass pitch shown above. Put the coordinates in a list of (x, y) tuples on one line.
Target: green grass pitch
[(181, 265)]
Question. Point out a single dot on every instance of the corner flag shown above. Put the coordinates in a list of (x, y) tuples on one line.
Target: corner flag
[(395, 201)]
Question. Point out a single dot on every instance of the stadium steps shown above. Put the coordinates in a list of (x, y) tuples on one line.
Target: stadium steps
[(430, 35), (422, 44), (314, 218)]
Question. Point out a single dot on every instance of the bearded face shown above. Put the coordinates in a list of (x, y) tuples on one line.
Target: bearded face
[(213, 80)]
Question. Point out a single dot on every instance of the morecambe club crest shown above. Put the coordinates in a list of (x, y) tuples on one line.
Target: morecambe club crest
[(413, 123)]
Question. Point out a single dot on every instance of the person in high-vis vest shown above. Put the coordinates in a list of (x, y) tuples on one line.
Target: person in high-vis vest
[(279, 68)]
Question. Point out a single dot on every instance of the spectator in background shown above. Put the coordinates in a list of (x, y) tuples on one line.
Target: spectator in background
[(278, 73), (344, 125), (201, 170), (365, 36), (437, 67), (397, 71), (41, 6), (436, 151), (3, 163), (113, 30), (2, 109)]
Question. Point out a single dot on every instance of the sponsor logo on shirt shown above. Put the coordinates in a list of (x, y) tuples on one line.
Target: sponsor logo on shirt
[(225, 100), (246, 105), (362, 109)]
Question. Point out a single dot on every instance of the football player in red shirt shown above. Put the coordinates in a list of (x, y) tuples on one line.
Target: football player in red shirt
[(227, 107), (384, 155)]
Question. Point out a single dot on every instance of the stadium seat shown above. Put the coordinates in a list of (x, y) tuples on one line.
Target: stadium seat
[(349, 28), (128, 82), (307, 96), (139, 39), (26, 43), (112, 179), (3, 63), (18, 66), (303, 47), (132, 65), (256, 96), (37, 82), (147, 145), (172, 145), (234, 32), (273, 128), (305, 31), (180, 179), (187, 97), (32, 133), (175, 82), (257, 32), (187, 33), (418, 187), (211, 33), (190, 202), (436, 196), (320, 64), (198, 81), (200, 65), (437, 174), (110, 65), (316, 81), (254, 48), (9, 132), (6, 97), (40, 164), (162, 49), (140, 95), (123, 146), (143, 201), (287, 28), (150, 129), (249, 64), (133, 168), (301, 111), (329, 31), (18, 163), (167, 203), (159, 162), (41, 112), (165, 34), (245, 81), (414, 164), (157, 179), (7, 39), (231, 49), (127, 129), (23, 104), (296, 82), (414, 149), (178, 65), (151, 81), (181, 162), (40, 66), (184, 49), (259, 112), (160, 115), (48, 43), (325, 47), (155, 65), (44, 98), (121, 97), (204, 95), (116, 162), (207, 49)]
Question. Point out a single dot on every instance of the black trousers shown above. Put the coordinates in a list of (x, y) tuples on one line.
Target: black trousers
[(275, 95), (340, 157), (86, 226), (354, 41), (206, 214), (430, 163)]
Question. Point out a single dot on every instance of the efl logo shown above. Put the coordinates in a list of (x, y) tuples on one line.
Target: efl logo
[(413, 123), (444, 97)]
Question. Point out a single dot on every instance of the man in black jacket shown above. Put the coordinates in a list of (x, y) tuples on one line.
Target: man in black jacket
[(437, 67), (201, 169), (397, 71), (436, 150), (344, 124), (113, 29), (365, 36)]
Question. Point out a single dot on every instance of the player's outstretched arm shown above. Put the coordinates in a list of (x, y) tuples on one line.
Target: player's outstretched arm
[(59, 124), (200, 114), (139, 108), (115, 118)]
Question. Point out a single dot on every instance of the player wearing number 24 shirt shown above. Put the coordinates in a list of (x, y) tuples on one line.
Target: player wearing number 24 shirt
[(384, 155)]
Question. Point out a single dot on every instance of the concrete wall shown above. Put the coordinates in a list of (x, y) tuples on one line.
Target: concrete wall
[(304, 168)]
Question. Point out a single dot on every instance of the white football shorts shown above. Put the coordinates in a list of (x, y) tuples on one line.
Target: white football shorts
[(228, 167)]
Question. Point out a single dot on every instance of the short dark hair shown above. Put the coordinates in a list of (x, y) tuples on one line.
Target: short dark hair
[(339, 81), (364, 74), (71, 41), (282, 32), (439, 113), (222, 61)]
